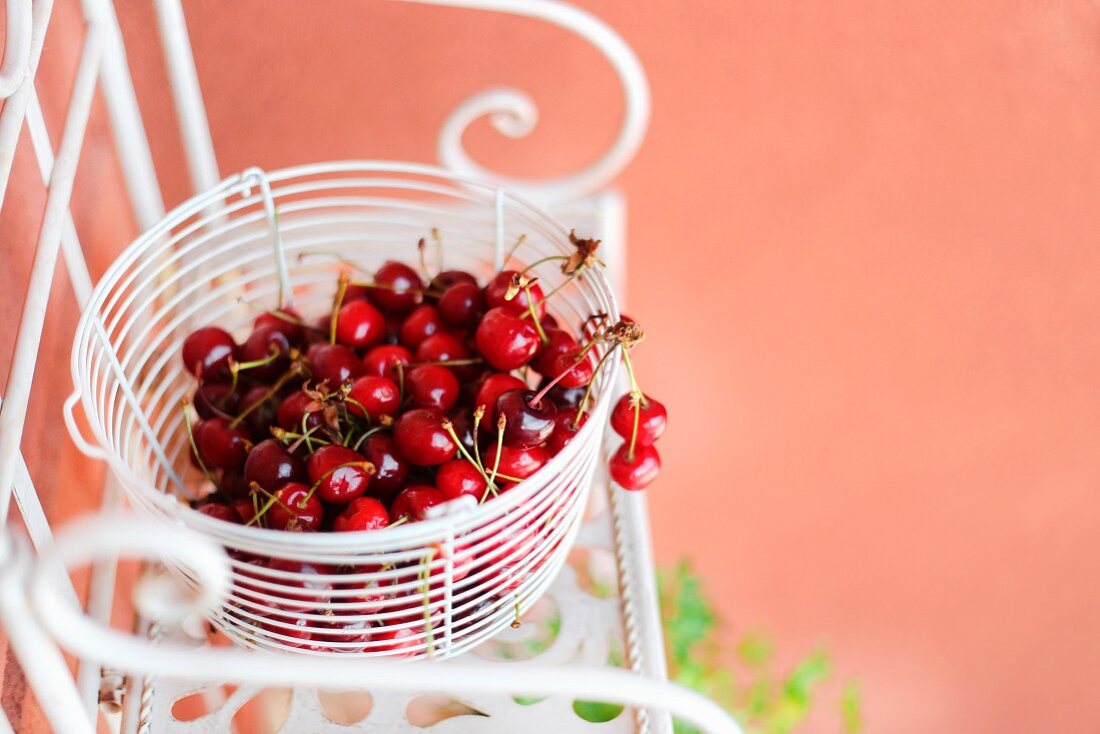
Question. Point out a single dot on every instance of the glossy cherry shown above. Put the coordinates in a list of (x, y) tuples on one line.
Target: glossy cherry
[(558, 342), (400, 288), (432, 386), (220, 511), (213, 399), (364, 513), (413, 502), (207, 351), (360, 325), (391, 470), (339, 473), (419, 325), (652, 419), (294, 509), (574, 369), (420, 438), (271, 466), (506, 341), (265, 343), (334, 363), (287, 320), (638, 472), (462, 305), (565, 430), (459, 477), (296, 407), (490, 389), (449, 278), (497, 290), (444, 347), (222, 446), (373, 397), (527, 423), (515, 462), (383, 360)]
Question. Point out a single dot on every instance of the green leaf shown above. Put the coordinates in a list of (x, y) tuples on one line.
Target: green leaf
[(596, 712), (851, 711)]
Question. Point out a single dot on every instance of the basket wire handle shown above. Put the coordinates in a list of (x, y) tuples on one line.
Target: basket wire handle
[(261, 181)]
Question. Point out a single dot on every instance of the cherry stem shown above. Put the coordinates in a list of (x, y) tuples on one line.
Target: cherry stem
[(535, 401), (280, 314), (636, 398), (534, 316), (366, 435), (449, 362), (450, 429), (258, 514), (286, 377), (588, 389), (337, 302), (364, 465), (479, 413), (195, 447), (548, 258), (421, 245), (519, 241), (502, 422)]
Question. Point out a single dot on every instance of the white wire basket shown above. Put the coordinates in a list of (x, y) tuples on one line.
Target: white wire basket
[(433, 588)]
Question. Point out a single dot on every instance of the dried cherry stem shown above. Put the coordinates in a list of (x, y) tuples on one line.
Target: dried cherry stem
[(449, 427), (422, 245), (588, 389), (280, 434), (337, 303), (194, 446), (519, 241), (479, 413), (517, 622), (366, 466), (275, 388)]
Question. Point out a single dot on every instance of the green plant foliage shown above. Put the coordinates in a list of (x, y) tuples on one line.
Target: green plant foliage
[(744, 680)]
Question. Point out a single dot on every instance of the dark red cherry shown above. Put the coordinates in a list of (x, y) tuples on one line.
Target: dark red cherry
[(514, 462), (365, 513), (360, 325), (527, 423), (507, 342), (382, 361), (652, 418), (420, 438), (207, 351), (335, 363), (356, 292), (373, 397), (432, 386), (575, 370), (213, 399), (463, 423), (271, 466), (294, 408), (399, 288), (459, 477), (450, 278), (548, 322), (462, 305), (220, 511), (233, 486), (557, 342), (221, 446), (261, 411), (497, 289), (491, 388), (339, 473), (294, 509), (391, 470), (638, 472), (265, 343), (444, 347), (564, 397), (287, 320), (565, 430), (419, 325), (414, 501)]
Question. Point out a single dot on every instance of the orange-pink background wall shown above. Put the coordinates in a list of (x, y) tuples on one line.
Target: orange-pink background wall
[(863, 239)]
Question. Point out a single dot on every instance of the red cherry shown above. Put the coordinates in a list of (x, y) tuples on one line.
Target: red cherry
[(413, 502), (432, 386), (294, 509), (450, 278), (565, 430), (286, 320), (652, 419), (307, 589), (391, 470), (420, 438), (462, 305), (334, 363), (356, 292), (294, 408), (213, 399), (441, 347), (497, 289), (419, 325), (398, 642), (491, 388), (220, 511), (339, 473), (360, 325), (233, 485), (575, 370), (558, 342), (374, 397), (463, 424), (223, 447), (459, 477), (526, 423), (506, 342), (549, 322), (382, 361), (207, 351), (261, 345), (364, 513), (515, 462), (271, 466), (261, 411), (294, 627), (400, 288), (638, 472)]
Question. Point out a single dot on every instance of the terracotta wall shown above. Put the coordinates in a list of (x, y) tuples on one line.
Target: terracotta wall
[(863, 243)]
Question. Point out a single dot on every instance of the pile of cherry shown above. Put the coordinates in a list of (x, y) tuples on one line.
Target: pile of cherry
[(413, 391)]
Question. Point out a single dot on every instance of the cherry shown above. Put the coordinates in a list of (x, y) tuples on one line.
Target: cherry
[(339, 473), (507, 342), (432, 386), (565, 430), (295, 509), (286, 320), (334, 363), (373, 397), (382, 361), (261, 345), (527, 423), (564, 397), (420, 438), (462, 305), (221, 446), (638, 472), (574, 369), (355, 631), (497, 289), (400, 288), (398, 642), (261, 411), (548, 322), (463, 424), (444, 347), (492, 387), (356, 292), (391, 471), (515, 462), (213, 399), (419, 325), (307, 577), (558, 342), (450, 278), (233, 486), (294, 408), (207, 351), (271, 466), (360, 325), (364, 513), (413, 502), (652, 419), (296, 628), (459, 477), (220, 511)]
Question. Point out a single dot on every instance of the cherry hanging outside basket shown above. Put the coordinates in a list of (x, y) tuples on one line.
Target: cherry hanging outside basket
[(258, 240)]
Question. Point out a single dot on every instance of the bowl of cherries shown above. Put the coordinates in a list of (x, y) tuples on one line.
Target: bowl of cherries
[(395, 451)]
